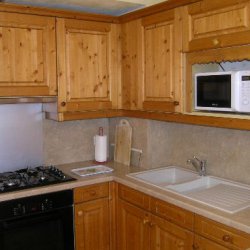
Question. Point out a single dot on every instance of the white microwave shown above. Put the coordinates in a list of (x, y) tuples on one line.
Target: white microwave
[(223, 91)]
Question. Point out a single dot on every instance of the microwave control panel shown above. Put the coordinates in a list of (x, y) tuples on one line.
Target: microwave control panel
[(244, 93)]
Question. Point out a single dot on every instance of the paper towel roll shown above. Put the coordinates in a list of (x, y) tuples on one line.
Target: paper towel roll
[(100, 142)]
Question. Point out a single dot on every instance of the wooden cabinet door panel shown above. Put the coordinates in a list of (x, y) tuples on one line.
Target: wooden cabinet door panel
[(87, 65), (27, 55), (167, 236), (159, 62), (162, 56), (133, 229), (216, 25), (92, 225)]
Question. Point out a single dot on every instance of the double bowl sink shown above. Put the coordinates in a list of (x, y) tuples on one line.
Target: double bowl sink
[(215, 192)]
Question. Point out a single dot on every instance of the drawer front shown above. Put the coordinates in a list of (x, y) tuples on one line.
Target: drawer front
[(201, 243), (217, 26), (173, 213), (222, 234), (134, 197), (91, 192)]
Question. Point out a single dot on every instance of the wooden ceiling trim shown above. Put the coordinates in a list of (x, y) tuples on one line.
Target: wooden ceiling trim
[(24, 9), (171, 4)]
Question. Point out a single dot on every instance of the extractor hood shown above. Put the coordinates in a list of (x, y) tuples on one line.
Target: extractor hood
[(24, 99)]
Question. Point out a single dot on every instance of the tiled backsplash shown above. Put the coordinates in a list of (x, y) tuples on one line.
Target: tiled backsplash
[(227, 151)]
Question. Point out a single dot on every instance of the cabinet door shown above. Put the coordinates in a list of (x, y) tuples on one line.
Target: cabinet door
[(27, 55), (168, 236), (201, 243), (92, 225), (133, 228), (216, 24), (87, 65), (162, 57), (152, 63)]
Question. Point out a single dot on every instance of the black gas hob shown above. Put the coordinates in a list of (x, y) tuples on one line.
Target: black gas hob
[(31, 177)]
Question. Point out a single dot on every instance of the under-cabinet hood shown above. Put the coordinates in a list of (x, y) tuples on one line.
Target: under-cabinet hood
[(25, 99)]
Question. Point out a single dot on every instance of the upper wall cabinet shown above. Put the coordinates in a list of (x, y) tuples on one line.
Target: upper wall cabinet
[(152, 62), (27, 55), (160, 59), (216, 24), (88, 74)]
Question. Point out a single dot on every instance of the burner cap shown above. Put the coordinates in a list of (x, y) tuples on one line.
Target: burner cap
[(11, 183)]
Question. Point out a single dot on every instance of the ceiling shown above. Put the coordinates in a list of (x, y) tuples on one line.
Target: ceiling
[(108, 7)]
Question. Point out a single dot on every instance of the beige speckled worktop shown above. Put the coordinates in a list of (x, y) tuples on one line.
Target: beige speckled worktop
[(240, 220)]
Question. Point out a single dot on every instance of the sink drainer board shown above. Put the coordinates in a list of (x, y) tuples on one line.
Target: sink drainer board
[(225, 197), (92, 170)]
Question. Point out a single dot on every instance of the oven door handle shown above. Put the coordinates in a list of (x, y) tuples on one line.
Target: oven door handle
[(29, 220)]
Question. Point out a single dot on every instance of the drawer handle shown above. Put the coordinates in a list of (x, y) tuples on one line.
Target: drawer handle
[(79, 213), (92, 193), (227, 238), (216, 42)]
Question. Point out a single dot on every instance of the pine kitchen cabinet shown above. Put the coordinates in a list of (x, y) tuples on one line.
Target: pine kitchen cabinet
[(216, 24), (211, 234), (152, 62), (139, 228), (92, 217), (27, 55), (88, 67)]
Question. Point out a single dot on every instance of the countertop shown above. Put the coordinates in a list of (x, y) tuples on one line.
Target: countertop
[(239, 220)]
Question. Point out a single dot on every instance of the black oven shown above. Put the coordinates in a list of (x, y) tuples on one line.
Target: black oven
[(43, 222)]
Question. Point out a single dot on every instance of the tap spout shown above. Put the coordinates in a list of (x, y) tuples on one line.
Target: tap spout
[(199, 165)]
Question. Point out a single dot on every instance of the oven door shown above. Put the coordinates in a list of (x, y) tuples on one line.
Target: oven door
[(45, 231)]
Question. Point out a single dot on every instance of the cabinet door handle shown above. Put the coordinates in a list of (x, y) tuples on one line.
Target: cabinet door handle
[(195, 246), (79, 213), (227, 238), (145, 221), (63, 104)]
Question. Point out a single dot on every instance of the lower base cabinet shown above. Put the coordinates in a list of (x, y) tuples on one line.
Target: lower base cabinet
[(111, 216), (140, 230), (132, 227), (92, 217), (165, 235)]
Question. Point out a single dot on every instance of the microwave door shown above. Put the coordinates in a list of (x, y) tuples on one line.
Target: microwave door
[(213, 92)]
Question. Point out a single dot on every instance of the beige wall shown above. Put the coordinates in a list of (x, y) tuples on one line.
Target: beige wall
[(66, 142), (227, 151)]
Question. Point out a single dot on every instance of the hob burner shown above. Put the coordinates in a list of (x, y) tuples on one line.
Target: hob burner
[(31, 177)]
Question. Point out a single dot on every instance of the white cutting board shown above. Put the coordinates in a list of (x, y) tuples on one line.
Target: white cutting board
[(123, 141)]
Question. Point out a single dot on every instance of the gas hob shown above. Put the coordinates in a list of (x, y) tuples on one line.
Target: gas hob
[(31, 177)]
